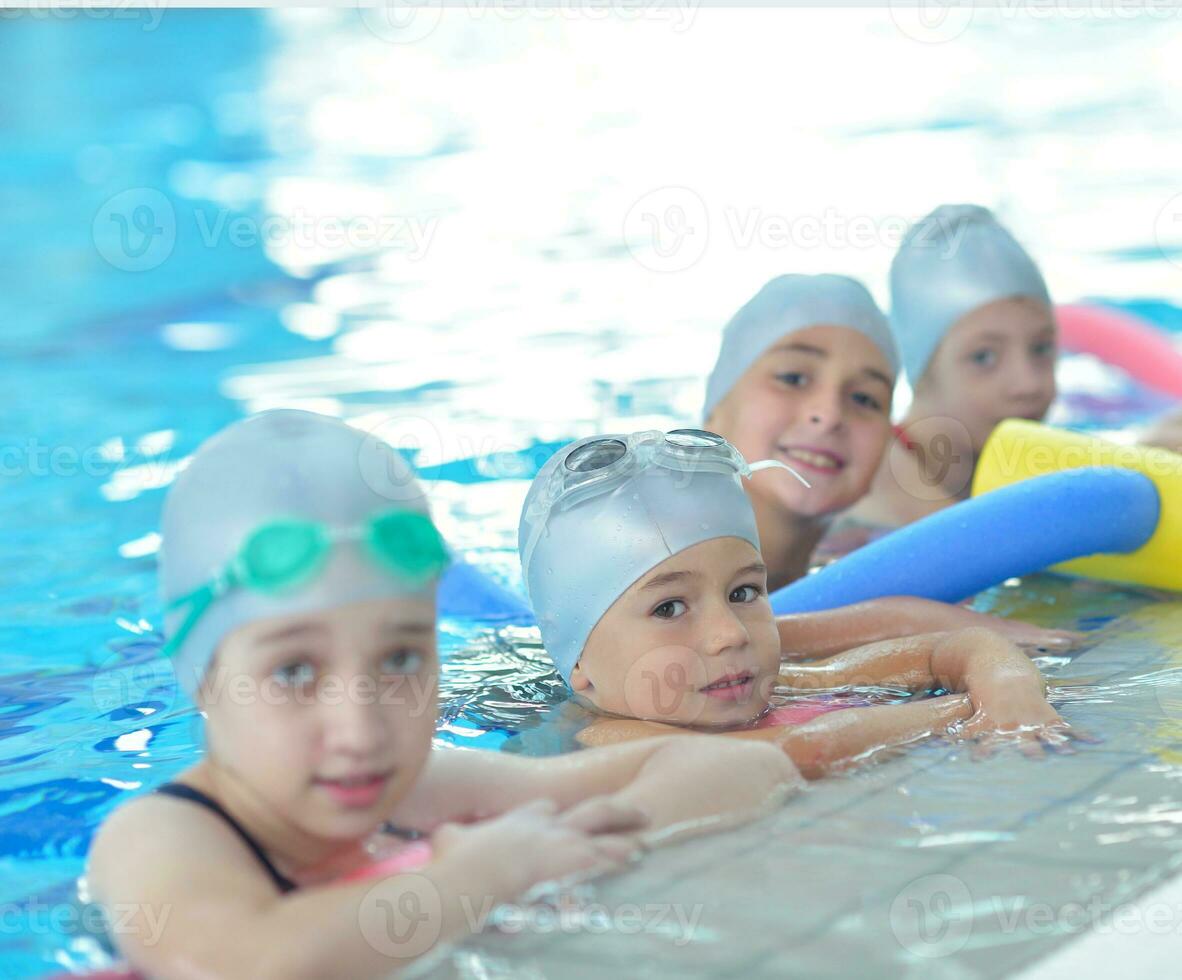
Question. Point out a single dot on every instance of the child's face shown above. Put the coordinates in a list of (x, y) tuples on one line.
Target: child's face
[(820, 401), (997, 362), (326, 718), (697, 618)]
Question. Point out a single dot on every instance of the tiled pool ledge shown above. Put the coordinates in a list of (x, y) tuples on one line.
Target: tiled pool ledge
[(932, 864)]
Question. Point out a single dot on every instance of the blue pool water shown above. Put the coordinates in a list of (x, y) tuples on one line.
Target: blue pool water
[(434, 229)]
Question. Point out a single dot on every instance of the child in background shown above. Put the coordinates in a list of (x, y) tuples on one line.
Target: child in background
[(805, 375), (298, 570), (642, 560), (976, 327)]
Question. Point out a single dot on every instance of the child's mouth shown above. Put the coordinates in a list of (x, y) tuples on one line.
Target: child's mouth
[(732, 687), (817, 460), (356, 792)]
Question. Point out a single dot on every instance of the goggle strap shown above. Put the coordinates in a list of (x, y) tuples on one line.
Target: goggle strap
[(767, 464), (199, 601)]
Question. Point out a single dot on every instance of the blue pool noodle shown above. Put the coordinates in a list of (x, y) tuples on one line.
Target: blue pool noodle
[(467, 592), (1008, 532)]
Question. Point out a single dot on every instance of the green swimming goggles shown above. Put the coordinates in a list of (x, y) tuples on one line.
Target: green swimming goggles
[(282, 555)]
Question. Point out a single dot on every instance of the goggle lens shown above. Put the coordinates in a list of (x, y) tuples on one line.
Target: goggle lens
[(693, 439), (281, 554), (409, 544), (595, 455)]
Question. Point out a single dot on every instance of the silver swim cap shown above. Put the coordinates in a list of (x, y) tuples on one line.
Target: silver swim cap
[(783, 306), (606, 510), (954, 261), (275, 465)]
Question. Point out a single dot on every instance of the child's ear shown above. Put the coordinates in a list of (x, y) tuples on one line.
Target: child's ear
[(578, 680)]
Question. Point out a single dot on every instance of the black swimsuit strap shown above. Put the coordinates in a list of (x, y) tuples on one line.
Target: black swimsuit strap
[(183, 792)]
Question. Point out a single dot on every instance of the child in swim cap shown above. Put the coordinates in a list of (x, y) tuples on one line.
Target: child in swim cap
[(976, 328), (298, 568), (642, 560), (804, 375)]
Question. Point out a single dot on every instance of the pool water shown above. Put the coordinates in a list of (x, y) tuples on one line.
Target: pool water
[(434, 230)]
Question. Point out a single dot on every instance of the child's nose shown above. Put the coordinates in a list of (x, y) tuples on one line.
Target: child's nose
[(354, 725), (1033, 380), (726, 631), (823, 408)]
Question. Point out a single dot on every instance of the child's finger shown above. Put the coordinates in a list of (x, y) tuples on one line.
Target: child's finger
[(541, 807), (1032, 748), (602, 815), (982, 750), (618, 849)]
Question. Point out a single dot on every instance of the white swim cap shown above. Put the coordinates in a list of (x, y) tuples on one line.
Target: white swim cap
[(281, 464), (581, 549), (783, 306), (956, 260)]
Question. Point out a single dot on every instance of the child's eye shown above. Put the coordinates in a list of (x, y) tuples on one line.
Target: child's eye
[(297, 673), (670, 609), (866, 400), (402, 662), (794, 379), (746, 593), (986, 357), (1044, 349)]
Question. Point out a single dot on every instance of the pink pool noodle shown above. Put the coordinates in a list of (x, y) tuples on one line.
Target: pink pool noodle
[(1137, 347)]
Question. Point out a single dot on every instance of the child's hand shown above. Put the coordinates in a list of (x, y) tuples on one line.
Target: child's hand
[(534, 842), (1010, 701), (1028, 720), (1035, 640)]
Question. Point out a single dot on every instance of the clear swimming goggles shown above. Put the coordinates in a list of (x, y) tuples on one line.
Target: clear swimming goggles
[(284, 554), (596, 466)]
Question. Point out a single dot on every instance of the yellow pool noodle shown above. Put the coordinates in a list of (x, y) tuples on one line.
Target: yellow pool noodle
[(1018, 450)]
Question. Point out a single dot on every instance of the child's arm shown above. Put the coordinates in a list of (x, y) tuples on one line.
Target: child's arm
[(720, 780), (1008, 692), (820, 634), (1165, 432), (823, 744), (185, 899)]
